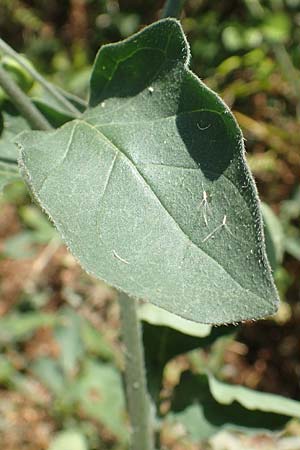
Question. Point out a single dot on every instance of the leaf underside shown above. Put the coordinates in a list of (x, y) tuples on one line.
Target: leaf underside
[(150, 189)]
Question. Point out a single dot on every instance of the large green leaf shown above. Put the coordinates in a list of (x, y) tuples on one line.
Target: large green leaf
[(150, 188), (205, 405)]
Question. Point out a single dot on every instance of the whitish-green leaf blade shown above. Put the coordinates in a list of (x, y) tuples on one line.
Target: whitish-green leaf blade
[(159, 317), (150, 189)]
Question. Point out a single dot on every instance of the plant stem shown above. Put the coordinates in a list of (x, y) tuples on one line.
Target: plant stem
[(135, 376), (38, 77), (27, 109), (172, 8)]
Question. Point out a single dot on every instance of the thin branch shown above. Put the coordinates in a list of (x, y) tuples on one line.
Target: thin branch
[(27, 109), (39, 78)]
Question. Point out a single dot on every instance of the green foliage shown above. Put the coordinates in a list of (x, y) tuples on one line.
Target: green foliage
[(20, 75), (205, 405), (143, 131), (18, 327), (166, 335), (79, 382), (13, 126), (101, 397), (126, 133)]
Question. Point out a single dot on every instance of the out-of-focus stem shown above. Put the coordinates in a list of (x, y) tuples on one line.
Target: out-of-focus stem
[(142, 436), (26, 108)]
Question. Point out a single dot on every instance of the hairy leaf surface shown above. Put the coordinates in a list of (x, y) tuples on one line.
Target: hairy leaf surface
[(150, 189)]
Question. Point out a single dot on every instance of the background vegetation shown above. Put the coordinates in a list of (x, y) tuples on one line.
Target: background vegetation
[(60, 355)]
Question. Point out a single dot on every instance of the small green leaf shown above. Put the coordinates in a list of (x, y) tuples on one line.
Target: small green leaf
[(18, 327), (100, 395), (150, 187), (55, 115), (20, 246), (96, 343), (38, 223), (51, 375), (7, 371), (204, 406), (68, 336)]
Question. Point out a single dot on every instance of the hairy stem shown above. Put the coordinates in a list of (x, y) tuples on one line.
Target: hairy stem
[(27, 109), (39, 78), (172, 8), (135, 376)]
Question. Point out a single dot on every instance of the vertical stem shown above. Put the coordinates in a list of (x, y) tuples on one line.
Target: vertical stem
[(135, 376), (172, 8), (22, 103)]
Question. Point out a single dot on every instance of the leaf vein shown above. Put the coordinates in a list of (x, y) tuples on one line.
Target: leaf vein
[(163, 206)]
